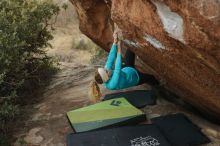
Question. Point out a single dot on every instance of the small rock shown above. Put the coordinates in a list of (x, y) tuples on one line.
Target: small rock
[(211, 132), (33, 138), (37, 116), (57, 116), (150, 116)]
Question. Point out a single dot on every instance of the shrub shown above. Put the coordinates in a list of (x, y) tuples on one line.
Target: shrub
[(83, 44), (24, 34), (99, 56)]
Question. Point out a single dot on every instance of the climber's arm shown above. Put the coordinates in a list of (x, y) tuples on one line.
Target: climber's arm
[(112, 54), (111, 57), (113, 82)]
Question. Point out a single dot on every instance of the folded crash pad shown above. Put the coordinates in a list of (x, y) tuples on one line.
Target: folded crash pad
[(140, 135), (180, 131), (107, 113), (138, 98)]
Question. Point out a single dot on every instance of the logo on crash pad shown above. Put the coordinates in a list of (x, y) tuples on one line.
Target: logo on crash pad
[(115, 103), (145, 141)]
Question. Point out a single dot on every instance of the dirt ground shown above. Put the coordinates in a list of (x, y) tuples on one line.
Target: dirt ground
[(47, 125)]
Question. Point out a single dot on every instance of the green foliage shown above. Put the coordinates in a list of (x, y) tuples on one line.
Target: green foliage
[(8, 112), (24, 34), (65, 6)]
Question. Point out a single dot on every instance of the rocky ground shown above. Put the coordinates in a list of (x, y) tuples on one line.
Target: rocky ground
[(46, 123)]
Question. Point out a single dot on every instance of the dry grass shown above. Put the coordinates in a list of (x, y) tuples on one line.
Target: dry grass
[(69, 44)]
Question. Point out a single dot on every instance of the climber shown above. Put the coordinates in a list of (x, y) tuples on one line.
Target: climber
[(118, 77)]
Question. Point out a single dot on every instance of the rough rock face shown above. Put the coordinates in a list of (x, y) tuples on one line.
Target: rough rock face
[(178, 40)]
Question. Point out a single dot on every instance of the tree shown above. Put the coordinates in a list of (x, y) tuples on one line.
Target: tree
[(24, 34)]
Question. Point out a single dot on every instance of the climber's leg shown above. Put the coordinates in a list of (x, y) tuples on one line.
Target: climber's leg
[(129, 58), (147, 78), (144, 78)]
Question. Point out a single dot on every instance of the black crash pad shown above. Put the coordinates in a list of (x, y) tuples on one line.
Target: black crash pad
[(140, 135), (138, 98), (179, 130)]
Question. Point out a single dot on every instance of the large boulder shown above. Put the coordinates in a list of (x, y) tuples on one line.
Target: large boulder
[(178, 40)]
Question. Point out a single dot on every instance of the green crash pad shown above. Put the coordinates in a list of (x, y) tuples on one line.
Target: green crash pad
[(107, 113)]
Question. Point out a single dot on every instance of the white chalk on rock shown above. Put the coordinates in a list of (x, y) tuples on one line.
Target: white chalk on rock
[(172, 22), (154, 42)]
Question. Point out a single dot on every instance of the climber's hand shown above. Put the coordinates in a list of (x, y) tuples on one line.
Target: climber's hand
[(115, 36)]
